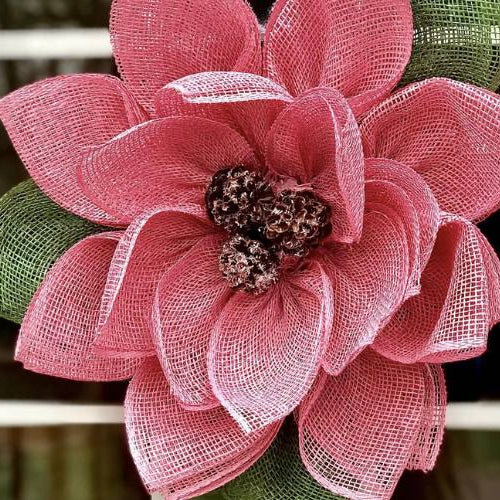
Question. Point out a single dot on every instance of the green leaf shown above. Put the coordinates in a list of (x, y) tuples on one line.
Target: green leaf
[(34, 232), (458, 39)]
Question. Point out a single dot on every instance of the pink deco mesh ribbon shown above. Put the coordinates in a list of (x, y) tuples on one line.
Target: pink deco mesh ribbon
[(349, 339)]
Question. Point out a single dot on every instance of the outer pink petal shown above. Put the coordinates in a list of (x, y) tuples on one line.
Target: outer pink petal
[(247, 103), (266, 350), (165, 162), (150, 246), (420, 195), (315, 142), (51, 122), (157, 41), (430, 435), (59, 327), (359, 48), (451, 317), (189, 300), (370, 279), (184, 453), (364, 427), (449, 133)]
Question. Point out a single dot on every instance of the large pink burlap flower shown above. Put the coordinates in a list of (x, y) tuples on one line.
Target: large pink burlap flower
[(399, 278)]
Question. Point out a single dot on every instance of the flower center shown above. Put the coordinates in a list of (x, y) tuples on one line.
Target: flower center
[(264, 227), (248, 265), (296, 222), (234, 197)]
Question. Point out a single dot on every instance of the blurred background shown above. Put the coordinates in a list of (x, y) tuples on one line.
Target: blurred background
[(92, 462)]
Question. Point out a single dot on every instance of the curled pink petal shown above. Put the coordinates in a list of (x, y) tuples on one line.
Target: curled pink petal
[(165, 162), (157, 41), (184, 453), (363, 427), (265, 350), (369, 281), (316, 142), (59, 327), (247, 103), (421, 196), (449, 133), (189, 300), (149, 246), (359, 48), (52, 121), (430, 435), (219, 87), (450, 318)]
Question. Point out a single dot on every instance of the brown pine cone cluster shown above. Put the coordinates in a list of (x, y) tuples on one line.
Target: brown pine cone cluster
[(263, 226), (296, 221)]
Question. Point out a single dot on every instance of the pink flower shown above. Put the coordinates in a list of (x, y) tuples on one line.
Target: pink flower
[(348, 335)]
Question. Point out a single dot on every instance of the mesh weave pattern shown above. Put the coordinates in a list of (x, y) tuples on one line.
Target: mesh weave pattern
[(156, 42), (360, 430), (450, 318), (184, 453), (50, 123), (458, 39), (59, 327), (449, 133), (359, 48), (278, 475), (34, 232)]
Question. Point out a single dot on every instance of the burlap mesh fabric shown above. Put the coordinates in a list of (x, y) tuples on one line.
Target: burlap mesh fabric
[(278, 475), (34, 232), (458, 39)]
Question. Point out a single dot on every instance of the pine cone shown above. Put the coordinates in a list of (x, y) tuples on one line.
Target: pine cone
[(296, 221), (233, 199), (248, 265)]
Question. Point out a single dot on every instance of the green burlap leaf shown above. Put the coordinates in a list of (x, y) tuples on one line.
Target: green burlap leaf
[(278, 475), (34, 232), (458, 39)]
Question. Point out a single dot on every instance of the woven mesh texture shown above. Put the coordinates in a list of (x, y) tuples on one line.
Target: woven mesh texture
[(278, 475), (458, 39), (59, 327), (261, 377), (156, 42), (34, 232), (360, 430), (448, 132), (359, 48), (50, 123), (161, 163), (185, 453), (450, 318), (149, 246)]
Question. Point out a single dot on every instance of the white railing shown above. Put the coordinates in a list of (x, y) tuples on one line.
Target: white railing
[(484, 415), (55, 44)]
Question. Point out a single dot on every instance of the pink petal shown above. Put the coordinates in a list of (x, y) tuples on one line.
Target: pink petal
[(265, 350), (362, 428), (51, 122), (165, 162), (359, 48), (370, 279), (156, 42), (421, 196), (448, 132), (247, 103), (184, 453), (59, 327), (150, 246), (451, 317), (430, 435), (189, 300), (315, 142)]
